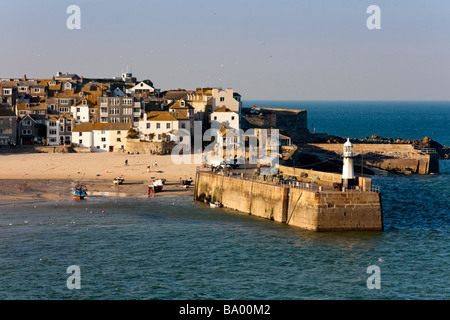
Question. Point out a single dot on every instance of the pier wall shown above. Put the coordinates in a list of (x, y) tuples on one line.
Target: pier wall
[(325, 178), (259, 199), (306, 209)]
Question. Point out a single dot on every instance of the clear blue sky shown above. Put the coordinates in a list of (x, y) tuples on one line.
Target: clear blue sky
[(291, 50)]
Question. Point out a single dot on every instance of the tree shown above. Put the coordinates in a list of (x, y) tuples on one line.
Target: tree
[(132, 134), (151, 136)]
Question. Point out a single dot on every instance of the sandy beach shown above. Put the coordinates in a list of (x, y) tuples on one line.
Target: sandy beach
[(34, 176)]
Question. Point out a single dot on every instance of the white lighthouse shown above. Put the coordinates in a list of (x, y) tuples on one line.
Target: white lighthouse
[(347, 171)]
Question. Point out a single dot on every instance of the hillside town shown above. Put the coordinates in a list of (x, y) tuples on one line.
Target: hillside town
[(100, 114)]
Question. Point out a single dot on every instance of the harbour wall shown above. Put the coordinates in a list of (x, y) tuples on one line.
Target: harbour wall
[(399, 157), (307, 209)]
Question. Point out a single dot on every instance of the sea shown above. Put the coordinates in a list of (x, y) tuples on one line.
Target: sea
[(172, 248)]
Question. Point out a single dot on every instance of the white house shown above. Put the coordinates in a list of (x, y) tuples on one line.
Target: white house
[(145, 86), (157, 125), (225, 116), (228, 98), (80, 111), (101, 137)]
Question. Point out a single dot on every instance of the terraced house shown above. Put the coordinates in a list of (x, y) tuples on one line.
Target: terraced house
[(8, 125), (120, 110)]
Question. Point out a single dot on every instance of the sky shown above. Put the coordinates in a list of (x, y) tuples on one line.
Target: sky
[(265, 50)]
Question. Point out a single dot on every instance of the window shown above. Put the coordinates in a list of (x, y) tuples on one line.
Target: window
[(118, 140), (78, 117), (36, 90), (158, 125), (182, 104), (80, 141), (61, 120), (127, 111), (52, 124), (80, 134), (92, 110), (148, 125), (69, 128), (103, 139), (84, 102), (63, 101), (159, 137), (78, 109), (26, 132), (215, 117), (168, 125), (222, 99), (183, 125), (27, 123), (102, 132), (119, 132), (68, 86), (52, 132), (232, 118), (7, 91), (114, 111)]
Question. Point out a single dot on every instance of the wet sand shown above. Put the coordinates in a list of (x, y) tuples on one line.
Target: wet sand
[(52, 176)]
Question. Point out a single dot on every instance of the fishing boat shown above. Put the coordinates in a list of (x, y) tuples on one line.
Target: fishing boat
[(118, 180), (215, 204), (158, 185), (79, 191), (186, 182)]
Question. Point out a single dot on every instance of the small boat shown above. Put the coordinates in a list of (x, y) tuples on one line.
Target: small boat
[(79, 191), (186, 182), (215, 204), (118, 180), (158, 185)]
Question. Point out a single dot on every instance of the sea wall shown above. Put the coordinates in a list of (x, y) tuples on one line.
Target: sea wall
[(259, 199), (396, 157), (306, 209), (147, 147)]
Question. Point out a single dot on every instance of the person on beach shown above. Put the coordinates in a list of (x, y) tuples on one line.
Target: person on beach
[(126, 163), (155, 164)]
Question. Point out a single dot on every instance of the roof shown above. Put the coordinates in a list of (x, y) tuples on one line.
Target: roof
[(176, 95), (225, 130), (88, 126), (177, 105), (181, 132), (31, 106), (165, 116), (68, 76), (223, 109)]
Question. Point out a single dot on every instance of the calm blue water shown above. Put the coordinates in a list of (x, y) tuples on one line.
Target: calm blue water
[(360, 119), (172, 248)]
